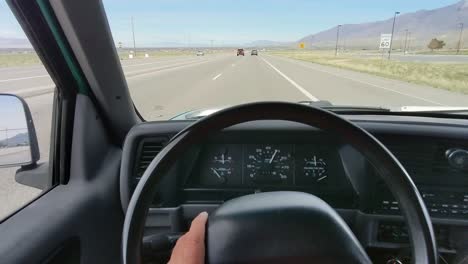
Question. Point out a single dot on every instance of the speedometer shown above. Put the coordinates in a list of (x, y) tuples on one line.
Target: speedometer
[(268, 164)]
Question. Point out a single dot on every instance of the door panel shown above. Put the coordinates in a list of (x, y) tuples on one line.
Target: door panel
[(86, 209)]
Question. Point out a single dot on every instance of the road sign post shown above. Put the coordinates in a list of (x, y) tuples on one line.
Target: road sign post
[(302, 45)]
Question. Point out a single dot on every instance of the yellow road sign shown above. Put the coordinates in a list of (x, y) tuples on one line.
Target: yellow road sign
[(302, 45)]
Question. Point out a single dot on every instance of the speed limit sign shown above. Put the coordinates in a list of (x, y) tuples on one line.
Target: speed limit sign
[(385, 41)]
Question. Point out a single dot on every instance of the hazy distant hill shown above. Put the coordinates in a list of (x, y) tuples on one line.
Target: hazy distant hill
[(267, 43), (18, 139), (423, 25), (14, 43)]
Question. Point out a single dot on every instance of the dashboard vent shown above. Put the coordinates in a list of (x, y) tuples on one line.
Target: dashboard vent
[(416, 155), (425, 158), (147, 150), (441, 165)]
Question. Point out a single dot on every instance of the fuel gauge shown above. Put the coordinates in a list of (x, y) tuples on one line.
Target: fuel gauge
[(221, 165)]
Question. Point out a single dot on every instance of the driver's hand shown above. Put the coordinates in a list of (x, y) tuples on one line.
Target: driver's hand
[(190, 248)]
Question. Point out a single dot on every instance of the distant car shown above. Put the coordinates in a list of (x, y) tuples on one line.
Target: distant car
[(200, 53), (240, 52), (254, 52)]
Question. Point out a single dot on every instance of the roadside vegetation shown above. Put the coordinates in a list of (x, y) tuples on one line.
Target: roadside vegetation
[(13, 59), (453, 77), (18, 59)]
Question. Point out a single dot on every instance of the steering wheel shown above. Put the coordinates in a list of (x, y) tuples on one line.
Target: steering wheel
[(282, 227)]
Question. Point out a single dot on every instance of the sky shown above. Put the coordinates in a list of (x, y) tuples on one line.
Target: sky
[(13, 117), (159, 22)]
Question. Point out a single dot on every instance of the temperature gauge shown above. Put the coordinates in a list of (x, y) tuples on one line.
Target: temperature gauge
[(312, 165), (315, 168)]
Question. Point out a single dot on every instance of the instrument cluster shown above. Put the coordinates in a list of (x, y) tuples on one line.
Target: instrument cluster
[(241, 165)]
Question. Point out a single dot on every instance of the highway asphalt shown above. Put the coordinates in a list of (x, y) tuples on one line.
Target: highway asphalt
[(165, 87)]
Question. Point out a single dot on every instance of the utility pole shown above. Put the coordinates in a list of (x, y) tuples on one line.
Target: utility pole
[(134, 43), (337, 39), (406, 41), (391, 38), (460, 38)]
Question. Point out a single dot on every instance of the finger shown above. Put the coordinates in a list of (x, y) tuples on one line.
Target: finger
[(190, 248), (197, 229)]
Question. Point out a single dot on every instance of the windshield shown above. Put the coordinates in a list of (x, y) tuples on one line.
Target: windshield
[(181, 56)]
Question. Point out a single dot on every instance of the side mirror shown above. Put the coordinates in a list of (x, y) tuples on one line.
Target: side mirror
[(18, 140)]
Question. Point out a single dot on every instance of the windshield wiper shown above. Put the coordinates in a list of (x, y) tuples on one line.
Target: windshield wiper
[(344, 108)]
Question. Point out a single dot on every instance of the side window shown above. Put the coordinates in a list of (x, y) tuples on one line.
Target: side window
[(23, 75)]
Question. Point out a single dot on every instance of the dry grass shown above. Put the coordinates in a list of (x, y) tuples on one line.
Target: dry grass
[(18, 59), (453, 77)]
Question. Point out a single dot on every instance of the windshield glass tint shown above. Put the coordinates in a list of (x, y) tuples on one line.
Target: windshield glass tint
[(183, 56)]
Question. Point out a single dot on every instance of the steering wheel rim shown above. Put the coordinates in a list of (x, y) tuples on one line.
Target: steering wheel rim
[(415, 214)]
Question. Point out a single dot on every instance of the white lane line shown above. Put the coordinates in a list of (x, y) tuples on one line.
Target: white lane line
[(164, 69), (371, 84), (31, 89), (158, 68), (23, 78), (302, 90), (217, 76), (158, 62)]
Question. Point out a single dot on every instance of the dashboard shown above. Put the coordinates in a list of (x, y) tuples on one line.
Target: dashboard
[(267, 156)]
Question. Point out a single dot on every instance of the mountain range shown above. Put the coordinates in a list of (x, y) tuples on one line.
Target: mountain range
[(14, 43), (18, 139), (423, 25)]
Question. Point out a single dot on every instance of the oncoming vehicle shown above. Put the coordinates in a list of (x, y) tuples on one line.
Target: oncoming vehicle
[(320, 153)]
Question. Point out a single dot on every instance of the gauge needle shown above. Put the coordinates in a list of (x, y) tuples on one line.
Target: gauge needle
[(321, 178), (222, 158), (217, 174), (273, 157)]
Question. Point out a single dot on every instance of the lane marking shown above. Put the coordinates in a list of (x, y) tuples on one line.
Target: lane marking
[(32, 89), (23, 78), (163, 70), (368, 83), (217, 76), (158, 62), (159, 68), (300, 88)]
